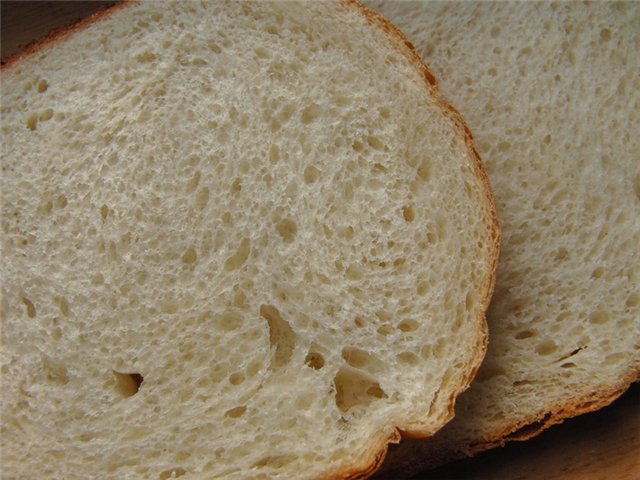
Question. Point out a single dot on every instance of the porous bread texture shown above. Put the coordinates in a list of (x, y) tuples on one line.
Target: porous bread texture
[(240, 240), (552, 94)]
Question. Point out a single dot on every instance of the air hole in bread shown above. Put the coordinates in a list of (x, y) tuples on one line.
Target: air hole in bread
[(615, 358), (422, 288), (522, 383), (281, 336), (408, 358), (408, 325), (599, 317), (398, 262), (361, 359), (32, 121), (235, 412), (424, 170), (104, 212), (261, 52), (45, 114), (63, 305), (311, 174), (354, 272), (54, 371), (193, 182), (408, 213), (375, 143), (546, 347), (440, 347), (314, 360), (310, 113), (385, 329), (190, 256), (526, 334), (236, 378), (470, 301), (355, 388), (274, 461), (30, 308), (42, 86), (172, 473), (287, 229), (236, 186), (128, 384)]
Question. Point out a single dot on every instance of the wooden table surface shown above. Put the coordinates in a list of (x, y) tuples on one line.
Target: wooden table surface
[(604, 445)]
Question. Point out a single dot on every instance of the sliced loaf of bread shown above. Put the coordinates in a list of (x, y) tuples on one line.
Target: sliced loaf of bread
[(552, 94), (240, 240)]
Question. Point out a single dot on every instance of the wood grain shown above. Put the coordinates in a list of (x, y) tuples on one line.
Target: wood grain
[(604, 445)]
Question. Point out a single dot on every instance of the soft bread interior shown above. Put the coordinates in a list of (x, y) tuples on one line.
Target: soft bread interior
[(240, 240)]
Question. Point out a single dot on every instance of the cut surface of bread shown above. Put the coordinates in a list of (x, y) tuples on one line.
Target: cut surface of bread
[(552, 94), (240, 240)]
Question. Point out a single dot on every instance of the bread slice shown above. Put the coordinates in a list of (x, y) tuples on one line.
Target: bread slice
[(552, 94), (240, 240)]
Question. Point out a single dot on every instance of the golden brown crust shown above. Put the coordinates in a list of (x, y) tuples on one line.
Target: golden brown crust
[(60, 33)]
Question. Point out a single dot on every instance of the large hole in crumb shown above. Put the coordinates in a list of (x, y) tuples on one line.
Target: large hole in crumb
[(281, 335), (358, 358), (355, 389), (128, 384)]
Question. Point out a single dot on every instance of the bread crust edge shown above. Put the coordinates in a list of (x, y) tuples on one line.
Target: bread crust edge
[(525, 429)]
